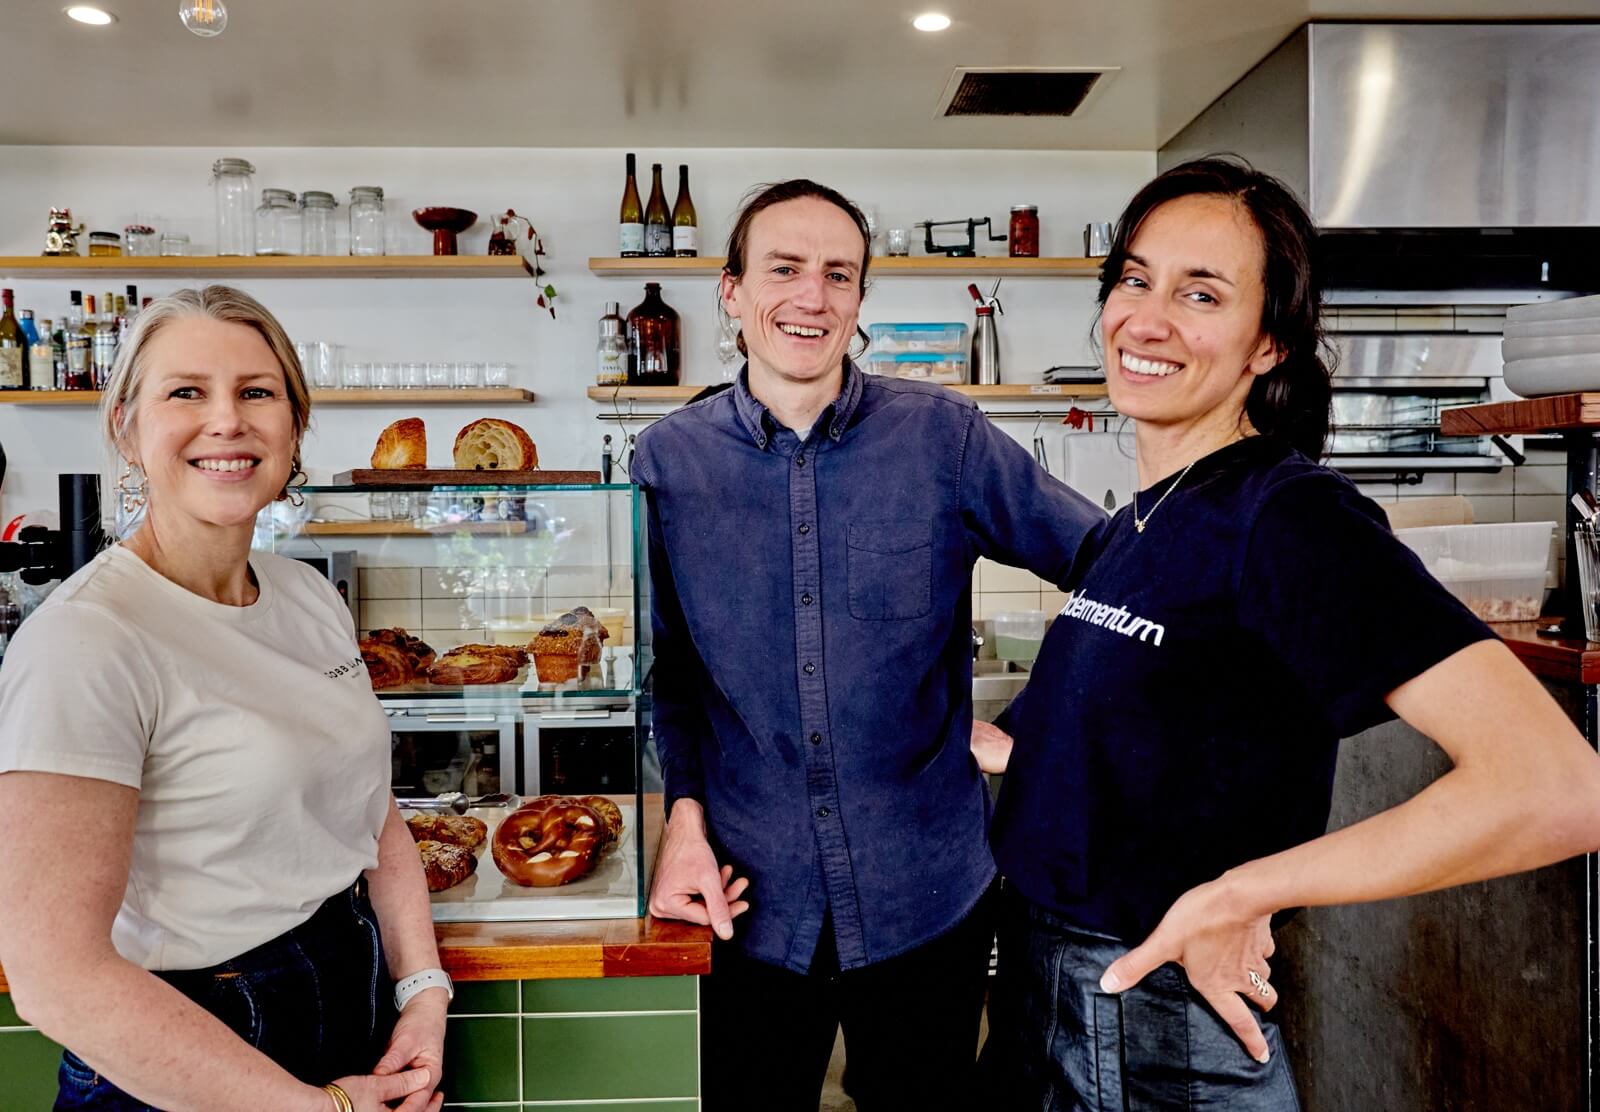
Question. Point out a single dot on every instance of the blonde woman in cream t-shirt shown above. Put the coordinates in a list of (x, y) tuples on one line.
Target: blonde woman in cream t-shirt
[(213, 887)]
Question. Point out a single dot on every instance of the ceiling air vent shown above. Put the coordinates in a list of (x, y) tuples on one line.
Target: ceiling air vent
[(1014, 91)]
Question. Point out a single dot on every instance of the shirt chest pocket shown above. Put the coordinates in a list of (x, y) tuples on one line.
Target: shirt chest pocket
[(890, 567)]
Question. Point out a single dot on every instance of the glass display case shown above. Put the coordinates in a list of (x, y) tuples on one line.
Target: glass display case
[(501, 629)]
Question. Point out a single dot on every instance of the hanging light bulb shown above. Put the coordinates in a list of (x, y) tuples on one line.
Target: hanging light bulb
[(204, 17)]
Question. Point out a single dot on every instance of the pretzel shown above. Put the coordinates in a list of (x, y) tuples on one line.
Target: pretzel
[(549, 842)]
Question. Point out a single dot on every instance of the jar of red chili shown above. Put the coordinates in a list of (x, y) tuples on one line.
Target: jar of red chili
[(1024, 235)]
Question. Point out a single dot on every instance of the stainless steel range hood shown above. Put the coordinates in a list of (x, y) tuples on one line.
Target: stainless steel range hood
[(1449, 156)]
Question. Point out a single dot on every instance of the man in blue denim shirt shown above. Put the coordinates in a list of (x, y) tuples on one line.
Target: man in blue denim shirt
[(812, 537)]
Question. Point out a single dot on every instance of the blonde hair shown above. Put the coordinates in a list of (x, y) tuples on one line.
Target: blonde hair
[(218, 303)]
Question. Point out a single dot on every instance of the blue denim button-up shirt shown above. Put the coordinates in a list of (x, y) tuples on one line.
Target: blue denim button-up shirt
[(813, 663)]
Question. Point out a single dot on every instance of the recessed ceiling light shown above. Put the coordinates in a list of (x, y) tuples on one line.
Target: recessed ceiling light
[(931, 21), (95, 17)]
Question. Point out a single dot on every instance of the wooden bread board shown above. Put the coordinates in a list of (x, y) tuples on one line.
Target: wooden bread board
[(411, 477)]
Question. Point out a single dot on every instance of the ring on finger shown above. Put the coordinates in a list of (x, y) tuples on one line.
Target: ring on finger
[(1259, 984)]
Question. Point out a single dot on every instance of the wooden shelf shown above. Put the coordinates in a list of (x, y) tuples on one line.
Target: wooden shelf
[(286, 266), (1004, 392), (1532, 415), (481, 395), (990, 265)]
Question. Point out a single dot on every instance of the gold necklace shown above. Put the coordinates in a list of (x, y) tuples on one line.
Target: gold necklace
[(1140, 522)]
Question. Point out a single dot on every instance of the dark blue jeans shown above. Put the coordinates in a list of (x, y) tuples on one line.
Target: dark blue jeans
[(1057, 1043), (317, 1000)]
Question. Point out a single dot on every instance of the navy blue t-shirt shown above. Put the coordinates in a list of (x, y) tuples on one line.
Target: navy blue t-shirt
[(1185, 711)]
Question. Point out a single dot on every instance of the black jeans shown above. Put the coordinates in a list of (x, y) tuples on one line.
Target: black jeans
[(910, 1025), (1058, 1044), (317, 1000)]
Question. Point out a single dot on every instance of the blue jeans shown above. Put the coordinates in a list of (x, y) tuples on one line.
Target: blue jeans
[(317, 1000), (1057, 1043)]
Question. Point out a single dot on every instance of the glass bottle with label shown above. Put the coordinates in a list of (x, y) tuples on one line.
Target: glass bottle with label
[(41, 360), (13, 348), (653, 347), (657, 220), (611, 356), (685, 226), (630, 221)]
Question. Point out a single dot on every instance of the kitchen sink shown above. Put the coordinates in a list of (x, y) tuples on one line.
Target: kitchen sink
[(994, 684)]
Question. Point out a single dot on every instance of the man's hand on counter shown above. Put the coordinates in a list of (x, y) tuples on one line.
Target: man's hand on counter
[(688, 884), (991, 747)]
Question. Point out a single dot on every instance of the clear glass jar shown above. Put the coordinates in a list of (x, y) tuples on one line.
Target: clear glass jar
[(104, 244), (141, 241), (316, 222), (366, 220), (277, 223), (174, 243), (233, 193)]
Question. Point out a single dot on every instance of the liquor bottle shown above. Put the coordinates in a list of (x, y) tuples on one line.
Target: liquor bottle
[(89, 323), (13, 349), (657, 220), (685, 228), (611, 356), (133, 303), (631, 220), (77, 342), (653, 347), (41, 360), (104, 350), (58, 355), (122, 318)]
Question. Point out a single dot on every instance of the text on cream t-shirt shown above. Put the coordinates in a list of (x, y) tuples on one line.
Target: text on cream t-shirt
[(259, 752)]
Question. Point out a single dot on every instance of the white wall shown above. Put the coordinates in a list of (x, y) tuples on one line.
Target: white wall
[(572, 196)]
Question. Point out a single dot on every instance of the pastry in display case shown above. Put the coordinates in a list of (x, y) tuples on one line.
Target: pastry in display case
[(499, 627)]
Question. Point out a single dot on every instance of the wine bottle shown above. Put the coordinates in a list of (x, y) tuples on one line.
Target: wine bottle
[(631, 220), (41, 360), (657, 220), (13, 349), (685, 228)]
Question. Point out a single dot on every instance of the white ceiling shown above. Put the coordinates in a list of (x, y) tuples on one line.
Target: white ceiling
[(614, 73)]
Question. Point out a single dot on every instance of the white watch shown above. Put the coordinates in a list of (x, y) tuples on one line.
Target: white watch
[(407, 987)]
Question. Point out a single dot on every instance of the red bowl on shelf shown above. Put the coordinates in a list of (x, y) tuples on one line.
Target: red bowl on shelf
[(445, 224)]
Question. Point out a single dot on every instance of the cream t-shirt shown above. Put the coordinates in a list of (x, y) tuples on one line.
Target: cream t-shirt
[(259, 752)]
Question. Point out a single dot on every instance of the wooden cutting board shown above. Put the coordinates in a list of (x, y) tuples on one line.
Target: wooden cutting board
[(371, 477)]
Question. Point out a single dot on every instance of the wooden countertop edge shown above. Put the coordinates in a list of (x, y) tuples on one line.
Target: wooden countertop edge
[(1564, 659), (568, 949)]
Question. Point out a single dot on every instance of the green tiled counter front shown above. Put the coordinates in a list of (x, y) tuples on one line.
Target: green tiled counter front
[(535, 1046)]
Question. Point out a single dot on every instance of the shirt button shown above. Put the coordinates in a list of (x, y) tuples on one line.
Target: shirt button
[(804, 529), (816, 739), (800, 461), (805, 600), (809, 669), (823, 812)]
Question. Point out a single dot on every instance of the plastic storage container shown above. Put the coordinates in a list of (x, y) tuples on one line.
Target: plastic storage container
[(1497, 570), (942, 367), (1018, 635), (899, 339)]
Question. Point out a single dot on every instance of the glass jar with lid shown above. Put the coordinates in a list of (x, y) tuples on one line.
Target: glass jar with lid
[(277, 223), (1024, 233), (316, 222), (103, 244), (233, 194), (366, 220)]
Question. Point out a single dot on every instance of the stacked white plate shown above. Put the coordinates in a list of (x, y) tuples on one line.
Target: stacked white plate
[(1552, 347)]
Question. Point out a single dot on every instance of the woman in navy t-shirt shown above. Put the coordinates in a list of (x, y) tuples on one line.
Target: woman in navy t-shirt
[(1173, 764)]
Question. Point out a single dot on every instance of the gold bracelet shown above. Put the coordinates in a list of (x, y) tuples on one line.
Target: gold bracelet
[(341, 1099)]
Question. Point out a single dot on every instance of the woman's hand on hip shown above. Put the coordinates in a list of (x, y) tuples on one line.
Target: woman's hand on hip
[(991, 747), (417, 1043), (1222, 946)]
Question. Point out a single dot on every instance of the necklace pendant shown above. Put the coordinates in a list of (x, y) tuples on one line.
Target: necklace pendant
[(1138, 526)]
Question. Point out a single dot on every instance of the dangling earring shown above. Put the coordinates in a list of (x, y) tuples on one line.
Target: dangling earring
[(297, 479), (133, 496)]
